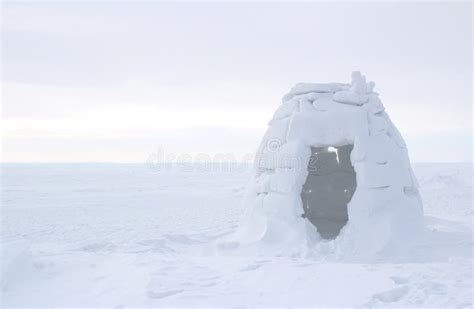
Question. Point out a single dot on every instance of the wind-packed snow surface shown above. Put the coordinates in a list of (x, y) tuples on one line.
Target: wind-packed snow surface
[(128, 235), (385, 212)]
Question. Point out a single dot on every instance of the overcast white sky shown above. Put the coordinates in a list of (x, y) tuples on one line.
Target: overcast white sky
[(114, 82)]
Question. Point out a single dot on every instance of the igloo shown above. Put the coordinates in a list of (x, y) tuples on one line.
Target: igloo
[(332, 167)]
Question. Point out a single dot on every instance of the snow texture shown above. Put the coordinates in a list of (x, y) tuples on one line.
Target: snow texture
[(119, 236), (385, 212), (125, 236)]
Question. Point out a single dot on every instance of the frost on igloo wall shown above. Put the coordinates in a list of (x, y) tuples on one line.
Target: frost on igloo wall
[(383, 210)]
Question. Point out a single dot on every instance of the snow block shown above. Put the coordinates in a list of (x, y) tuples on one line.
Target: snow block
[(303, 88), (377, 125), (285, 110), (374, 106), (275, 137), (289, 155), (349, 97), (283, 180)]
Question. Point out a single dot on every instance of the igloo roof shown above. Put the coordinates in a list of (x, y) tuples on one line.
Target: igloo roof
[(385, 210)]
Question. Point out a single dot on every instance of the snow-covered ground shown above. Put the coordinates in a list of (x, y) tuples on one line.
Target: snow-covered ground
[(132, 235)]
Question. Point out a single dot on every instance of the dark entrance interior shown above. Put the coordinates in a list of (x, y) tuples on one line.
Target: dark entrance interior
[(329, 187)]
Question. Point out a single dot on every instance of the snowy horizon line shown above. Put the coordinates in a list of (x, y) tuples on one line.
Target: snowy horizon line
[(145, 163)]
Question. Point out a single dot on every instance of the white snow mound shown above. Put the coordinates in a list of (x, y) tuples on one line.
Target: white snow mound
[(385, 211)]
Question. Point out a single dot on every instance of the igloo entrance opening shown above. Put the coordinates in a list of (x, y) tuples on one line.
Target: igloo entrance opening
[(328, 189)]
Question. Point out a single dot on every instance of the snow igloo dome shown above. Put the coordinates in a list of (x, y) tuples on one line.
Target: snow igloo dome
[(332, 168)]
